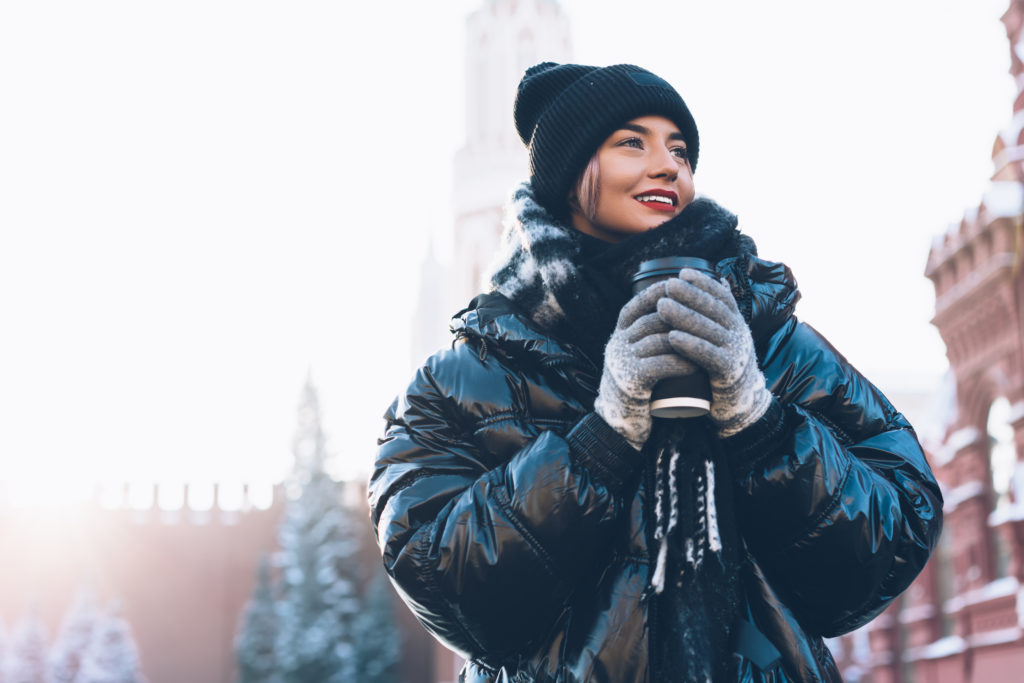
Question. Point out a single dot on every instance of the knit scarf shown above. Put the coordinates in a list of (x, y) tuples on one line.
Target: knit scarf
[(693, 593)]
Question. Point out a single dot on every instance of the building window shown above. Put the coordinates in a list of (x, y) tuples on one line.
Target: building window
[(1002, 462), (1002, 454), (944, 587)]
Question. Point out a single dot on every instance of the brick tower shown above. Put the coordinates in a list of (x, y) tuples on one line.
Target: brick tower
[(962, 619)]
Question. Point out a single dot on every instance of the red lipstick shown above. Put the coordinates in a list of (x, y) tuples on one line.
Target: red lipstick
[(659, 200)]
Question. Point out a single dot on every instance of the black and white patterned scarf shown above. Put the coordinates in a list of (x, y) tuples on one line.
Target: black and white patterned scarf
[(544, 269), (540, 265)]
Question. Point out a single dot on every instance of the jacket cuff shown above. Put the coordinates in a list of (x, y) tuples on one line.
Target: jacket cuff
[(602, 450), (760, 438)]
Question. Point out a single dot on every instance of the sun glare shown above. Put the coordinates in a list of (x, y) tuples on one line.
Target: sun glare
[(37, 491)]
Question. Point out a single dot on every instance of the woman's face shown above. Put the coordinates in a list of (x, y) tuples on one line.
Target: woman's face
[(644, 179)]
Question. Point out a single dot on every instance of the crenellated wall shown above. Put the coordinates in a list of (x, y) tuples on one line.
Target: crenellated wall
[(181, 575)]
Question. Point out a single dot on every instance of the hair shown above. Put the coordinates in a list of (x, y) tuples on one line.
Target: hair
[(588, 189)]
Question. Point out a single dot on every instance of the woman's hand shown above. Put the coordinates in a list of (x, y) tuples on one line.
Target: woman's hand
[(638, 355), (708, 328)]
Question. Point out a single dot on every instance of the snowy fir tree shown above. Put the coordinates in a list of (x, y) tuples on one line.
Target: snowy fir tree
[(112, 655), (73, 638), (254, 645), (26, 654), (3, 649), (377, 639), (4, 645), (319, 541)]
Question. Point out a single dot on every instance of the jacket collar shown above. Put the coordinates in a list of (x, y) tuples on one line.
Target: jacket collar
[(774, 292)]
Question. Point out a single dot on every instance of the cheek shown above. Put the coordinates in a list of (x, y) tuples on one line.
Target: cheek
[(690, 194), (614, 193), (687, 192), (614, 181)]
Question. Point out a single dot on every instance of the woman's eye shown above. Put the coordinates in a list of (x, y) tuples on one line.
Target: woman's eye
[(680, 152), (633, 142)]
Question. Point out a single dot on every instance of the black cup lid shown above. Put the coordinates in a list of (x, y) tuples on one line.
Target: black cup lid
[(670, 266)]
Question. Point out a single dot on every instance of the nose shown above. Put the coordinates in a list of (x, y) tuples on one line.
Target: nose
[(663, 163)]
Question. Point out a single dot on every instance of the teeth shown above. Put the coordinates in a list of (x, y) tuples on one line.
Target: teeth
[(654, 198)]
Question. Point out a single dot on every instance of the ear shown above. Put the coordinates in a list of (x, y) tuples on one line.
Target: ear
[(573, 200)]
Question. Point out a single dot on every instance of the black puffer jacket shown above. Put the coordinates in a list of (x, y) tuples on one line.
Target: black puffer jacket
[(513, 520)]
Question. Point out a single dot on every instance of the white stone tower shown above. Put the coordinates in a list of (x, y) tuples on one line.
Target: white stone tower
[(503, 39)]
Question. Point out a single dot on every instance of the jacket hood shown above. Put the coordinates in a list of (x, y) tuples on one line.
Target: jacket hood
[(494, 318)]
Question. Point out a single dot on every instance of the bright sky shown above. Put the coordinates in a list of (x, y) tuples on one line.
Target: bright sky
[(200, 201)]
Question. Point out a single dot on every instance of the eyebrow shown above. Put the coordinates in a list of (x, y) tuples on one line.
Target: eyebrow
[(646, 131)]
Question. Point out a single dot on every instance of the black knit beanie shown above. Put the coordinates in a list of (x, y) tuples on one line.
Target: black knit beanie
[(563, 113)]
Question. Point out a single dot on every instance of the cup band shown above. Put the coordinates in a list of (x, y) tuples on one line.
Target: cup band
[(680, 406)]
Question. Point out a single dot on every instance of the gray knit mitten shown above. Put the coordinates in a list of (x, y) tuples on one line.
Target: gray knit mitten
[(709, 329), (638, 355)]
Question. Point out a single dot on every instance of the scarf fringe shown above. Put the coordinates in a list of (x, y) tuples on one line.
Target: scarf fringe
[(714, 538), (705, 536)]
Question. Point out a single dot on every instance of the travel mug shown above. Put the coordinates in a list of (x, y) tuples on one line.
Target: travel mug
[(686, 395)]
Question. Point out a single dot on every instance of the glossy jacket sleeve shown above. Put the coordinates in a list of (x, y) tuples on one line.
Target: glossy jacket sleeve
[(836, 499), (486, 548)]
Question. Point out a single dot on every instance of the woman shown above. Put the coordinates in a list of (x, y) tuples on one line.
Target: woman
[(535, 517)]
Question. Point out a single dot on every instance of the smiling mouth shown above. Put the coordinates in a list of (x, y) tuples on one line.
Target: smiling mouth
[(657, 200)]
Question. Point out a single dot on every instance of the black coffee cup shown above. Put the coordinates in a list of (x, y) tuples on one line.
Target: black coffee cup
[(685, 395)]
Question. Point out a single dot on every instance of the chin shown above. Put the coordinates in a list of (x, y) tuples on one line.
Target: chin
[(661, 222)]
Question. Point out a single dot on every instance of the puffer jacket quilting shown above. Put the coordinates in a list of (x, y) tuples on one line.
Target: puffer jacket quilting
[(517, 536)]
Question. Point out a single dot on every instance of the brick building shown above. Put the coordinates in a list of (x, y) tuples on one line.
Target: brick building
[(963, 619)]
